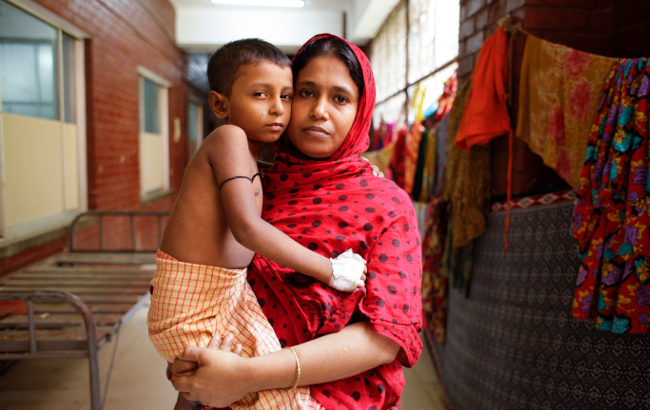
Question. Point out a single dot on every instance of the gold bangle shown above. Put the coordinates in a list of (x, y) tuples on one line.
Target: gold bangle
[(298, 370)]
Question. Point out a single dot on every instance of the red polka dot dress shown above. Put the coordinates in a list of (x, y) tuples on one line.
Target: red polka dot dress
[(330, 206)]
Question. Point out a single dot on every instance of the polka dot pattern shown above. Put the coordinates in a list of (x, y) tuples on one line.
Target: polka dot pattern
[(330, 206)]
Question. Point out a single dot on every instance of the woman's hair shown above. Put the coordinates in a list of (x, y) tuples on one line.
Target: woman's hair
[(330, 46), (224, 63)]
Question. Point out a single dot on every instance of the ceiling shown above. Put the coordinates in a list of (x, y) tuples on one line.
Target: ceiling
[(202, 26)]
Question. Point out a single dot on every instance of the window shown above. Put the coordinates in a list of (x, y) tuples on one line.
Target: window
[(429, 40), (151, 106), (154, 135), (194, 127), (42, 143), (28, 52)]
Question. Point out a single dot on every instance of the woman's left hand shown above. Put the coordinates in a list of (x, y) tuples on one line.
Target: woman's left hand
[(219, 379)]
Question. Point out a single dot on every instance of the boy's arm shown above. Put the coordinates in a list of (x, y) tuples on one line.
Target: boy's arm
[(229, 156)]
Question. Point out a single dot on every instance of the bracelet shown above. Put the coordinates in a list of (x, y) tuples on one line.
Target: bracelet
[(298, 370)]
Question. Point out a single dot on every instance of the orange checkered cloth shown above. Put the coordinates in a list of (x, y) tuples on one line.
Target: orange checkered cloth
[(190, 303)]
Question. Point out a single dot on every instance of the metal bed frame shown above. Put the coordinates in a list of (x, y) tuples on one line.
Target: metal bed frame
[(74, 302)]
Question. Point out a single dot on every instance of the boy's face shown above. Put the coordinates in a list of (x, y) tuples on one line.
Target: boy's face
[(260, 100)]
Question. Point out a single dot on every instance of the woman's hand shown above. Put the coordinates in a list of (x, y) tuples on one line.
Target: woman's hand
[(187, 368), (219, 379), (227, 344)]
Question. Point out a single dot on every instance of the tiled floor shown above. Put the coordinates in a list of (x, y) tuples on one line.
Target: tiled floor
[(138, 380)]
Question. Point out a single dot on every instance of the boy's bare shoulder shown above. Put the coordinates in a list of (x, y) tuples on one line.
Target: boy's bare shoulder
[(225, 146), (224, 134)]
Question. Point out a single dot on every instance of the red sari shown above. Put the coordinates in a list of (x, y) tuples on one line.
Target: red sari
[(329, 206)]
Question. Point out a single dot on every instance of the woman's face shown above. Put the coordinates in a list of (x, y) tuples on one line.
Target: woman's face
[(324, 107)]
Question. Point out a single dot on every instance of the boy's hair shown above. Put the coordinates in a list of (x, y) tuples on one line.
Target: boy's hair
[(224, 63)]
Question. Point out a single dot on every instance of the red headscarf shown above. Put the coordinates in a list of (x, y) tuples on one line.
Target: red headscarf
[(329, 206)]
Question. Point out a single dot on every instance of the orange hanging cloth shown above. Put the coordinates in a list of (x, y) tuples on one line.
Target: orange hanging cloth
[(486, 113)]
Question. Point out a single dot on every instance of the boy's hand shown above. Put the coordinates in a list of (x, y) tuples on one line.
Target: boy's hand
[(348, 272)]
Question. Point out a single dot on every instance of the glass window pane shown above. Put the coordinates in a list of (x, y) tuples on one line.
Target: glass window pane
[(69, 83), (48, 98), (150, 107), (18, 73), (28, 62), (191, 121)]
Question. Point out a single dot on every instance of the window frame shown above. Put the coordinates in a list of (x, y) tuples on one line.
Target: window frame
[(147, 195), (53, 222)]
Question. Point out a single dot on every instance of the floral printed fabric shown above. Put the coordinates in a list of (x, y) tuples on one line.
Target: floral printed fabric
[(559, 93), (612, 213)]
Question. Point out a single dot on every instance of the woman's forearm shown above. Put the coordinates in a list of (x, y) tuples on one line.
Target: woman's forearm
[(353, 350), (222, 378)]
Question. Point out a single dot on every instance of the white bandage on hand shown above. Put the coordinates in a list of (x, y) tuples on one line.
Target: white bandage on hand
[(347, 269)]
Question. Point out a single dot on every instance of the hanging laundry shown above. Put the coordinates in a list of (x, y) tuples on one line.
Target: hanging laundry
[(398, 161), (446, 99), (422, 162), (612, 213), (381, 158), (413, 138), (441, 149), (559, 92), (486, 113), (434, 277), (434, 163), (467, 181), (457, 264)]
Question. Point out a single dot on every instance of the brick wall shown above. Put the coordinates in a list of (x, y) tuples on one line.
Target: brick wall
[(630, 29), (123, 35), (31, 255), (618, 28)]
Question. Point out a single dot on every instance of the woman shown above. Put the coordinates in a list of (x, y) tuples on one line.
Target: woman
[(349, 348)]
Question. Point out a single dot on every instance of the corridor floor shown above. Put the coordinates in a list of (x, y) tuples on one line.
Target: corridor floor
[(138, 381)]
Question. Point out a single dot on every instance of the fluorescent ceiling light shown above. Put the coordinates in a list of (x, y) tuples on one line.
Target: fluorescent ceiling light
[(262, 3)]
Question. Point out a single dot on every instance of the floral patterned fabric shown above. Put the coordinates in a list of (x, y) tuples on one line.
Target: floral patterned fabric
[(559, 93), (612, 213)]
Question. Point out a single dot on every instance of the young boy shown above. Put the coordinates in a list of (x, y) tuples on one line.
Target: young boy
[(199, 289)]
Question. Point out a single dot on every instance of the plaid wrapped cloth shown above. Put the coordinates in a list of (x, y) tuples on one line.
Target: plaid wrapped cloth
[(190, 303)]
